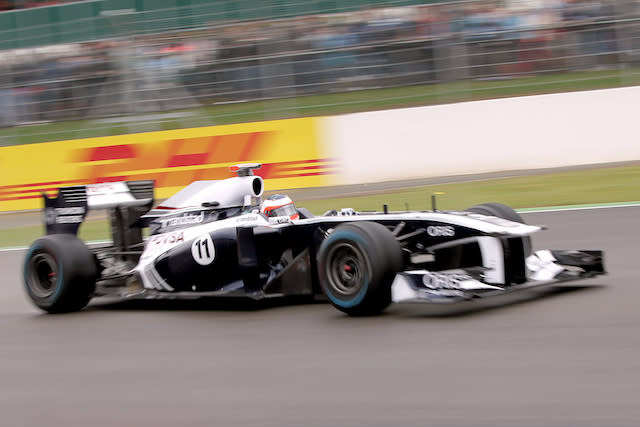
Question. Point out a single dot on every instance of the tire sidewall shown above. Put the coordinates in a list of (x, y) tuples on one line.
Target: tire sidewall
[(378, 252), (345, 236), (76, 271), (43, 302)]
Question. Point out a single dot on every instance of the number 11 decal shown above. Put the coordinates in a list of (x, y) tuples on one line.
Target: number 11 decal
[(203, 250)]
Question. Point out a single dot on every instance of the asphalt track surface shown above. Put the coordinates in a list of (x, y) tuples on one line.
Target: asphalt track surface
[(566, 358)]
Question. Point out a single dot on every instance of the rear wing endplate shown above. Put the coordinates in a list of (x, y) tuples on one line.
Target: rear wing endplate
[(127, 200)]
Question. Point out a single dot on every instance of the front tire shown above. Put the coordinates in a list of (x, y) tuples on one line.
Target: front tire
[(505, 212), (357, 263), (497, 209), (59, 273)]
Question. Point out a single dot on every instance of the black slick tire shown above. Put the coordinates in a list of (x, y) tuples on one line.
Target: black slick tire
[(59, 273), (357, 263)]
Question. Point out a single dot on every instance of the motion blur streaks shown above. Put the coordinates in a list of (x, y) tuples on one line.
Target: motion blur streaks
[(148, 61)]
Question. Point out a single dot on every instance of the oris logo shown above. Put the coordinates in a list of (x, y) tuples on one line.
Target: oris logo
[(441, 231), (444, 280)]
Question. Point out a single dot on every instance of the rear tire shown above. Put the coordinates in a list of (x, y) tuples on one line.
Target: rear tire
[(357, 263), (60, 273)]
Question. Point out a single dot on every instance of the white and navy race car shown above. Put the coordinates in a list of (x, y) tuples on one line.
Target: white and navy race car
[(219, 238)]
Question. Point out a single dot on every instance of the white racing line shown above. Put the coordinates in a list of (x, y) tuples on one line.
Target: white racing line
[(12, 249), (24, 248), (522, 211), (580, 207)]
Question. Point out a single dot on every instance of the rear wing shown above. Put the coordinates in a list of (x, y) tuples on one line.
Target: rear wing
[(126, 201)]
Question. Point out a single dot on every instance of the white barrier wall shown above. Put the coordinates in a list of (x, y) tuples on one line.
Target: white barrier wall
[(529, 132)]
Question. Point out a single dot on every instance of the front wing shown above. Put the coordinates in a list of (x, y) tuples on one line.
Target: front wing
[(545, 268)]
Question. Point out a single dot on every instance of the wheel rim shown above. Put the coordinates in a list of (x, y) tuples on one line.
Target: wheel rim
[(346, 269), (43, 275)]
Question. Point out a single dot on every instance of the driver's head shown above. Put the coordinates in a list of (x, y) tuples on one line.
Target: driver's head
[(279, 205)]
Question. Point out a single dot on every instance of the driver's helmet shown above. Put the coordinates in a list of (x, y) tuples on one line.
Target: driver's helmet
[(279, 205)]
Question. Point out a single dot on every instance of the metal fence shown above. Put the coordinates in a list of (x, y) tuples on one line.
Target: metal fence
[(68, 21), (225, 71)]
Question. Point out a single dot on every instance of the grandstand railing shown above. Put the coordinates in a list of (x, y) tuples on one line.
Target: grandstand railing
[(303, 64)]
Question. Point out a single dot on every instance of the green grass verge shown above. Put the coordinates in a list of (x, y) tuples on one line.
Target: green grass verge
[(331, 104), (605, 185), (23, 236)]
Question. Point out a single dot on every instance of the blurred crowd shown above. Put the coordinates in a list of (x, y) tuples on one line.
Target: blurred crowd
[(383, 47)]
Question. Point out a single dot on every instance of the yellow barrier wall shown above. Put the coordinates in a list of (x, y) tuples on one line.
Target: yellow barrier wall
[(289, 150)]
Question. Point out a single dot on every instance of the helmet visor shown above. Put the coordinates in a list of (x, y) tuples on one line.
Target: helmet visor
[(286, 210)]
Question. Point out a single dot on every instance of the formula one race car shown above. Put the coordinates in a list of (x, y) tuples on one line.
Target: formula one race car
[(219, 238)]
